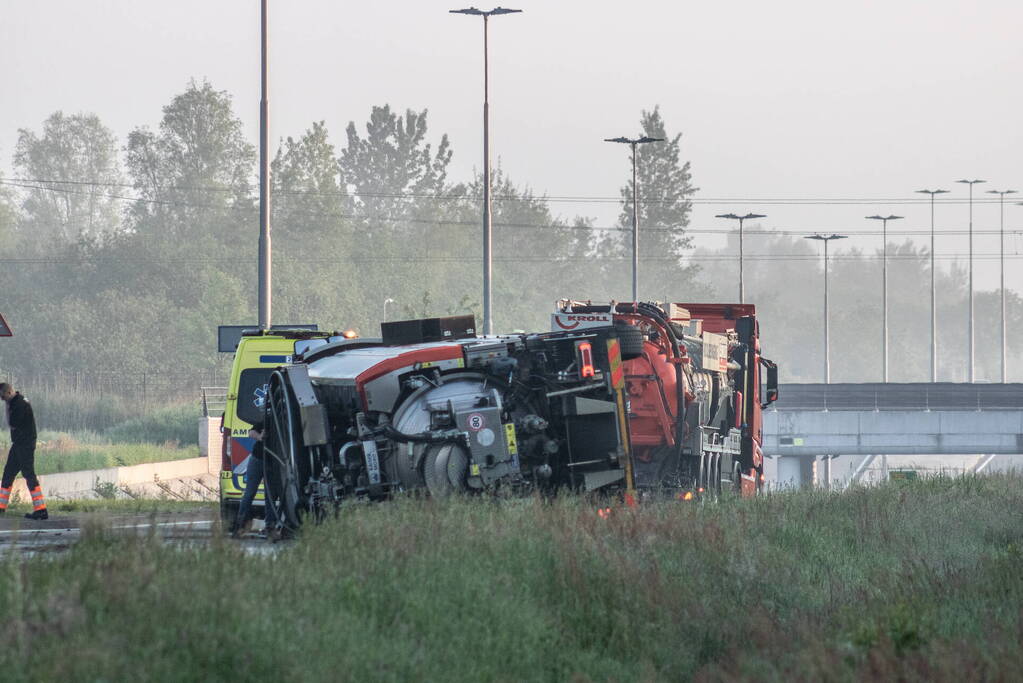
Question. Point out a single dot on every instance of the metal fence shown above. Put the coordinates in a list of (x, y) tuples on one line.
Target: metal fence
[(212, 401), (144, 390), (910, 396)]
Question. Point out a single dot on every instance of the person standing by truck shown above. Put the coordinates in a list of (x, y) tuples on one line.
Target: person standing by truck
[(253, 478), (22, 455)]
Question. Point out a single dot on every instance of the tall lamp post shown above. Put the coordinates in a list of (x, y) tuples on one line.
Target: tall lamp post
[(1001, 263), (827, 344), (971, 183), (488, 299), (884, 288), (632, 142), (264, 267), (732, 216), (934, 296)]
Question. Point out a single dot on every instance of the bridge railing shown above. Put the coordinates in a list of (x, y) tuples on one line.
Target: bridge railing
[(908, 396)]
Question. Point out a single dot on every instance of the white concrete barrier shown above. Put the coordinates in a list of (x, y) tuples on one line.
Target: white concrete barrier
[(210, 442), (149, 478)]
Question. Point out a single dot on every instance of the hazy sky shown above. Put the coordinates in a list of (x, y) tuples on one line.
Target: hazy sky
[(791, 99)]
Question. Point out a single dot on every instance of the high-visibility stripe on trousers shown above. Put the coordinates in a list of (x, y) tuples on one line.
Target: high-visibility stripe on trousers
[(37, 498), (5, 497)]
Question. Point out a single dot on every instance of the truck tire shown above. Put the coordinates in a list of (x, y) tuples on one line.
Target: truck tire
[(630, 340)]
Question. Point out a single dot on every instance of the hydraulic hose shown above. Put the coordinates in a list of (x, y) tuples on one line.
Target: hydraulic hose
[(444, 436)]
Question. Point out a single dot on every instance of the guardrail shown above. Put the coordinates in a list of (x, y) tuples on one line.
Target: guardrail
[(212, 401), (908, 396)]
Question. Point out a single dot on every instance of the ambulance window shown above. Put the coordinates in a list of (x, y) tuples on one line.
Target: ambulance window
[(252, 388), (303, 345)]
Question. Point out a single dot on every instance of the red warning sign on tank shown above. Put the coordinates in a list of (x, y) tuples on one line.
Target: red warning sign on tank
[(476, 422), (5, 329)]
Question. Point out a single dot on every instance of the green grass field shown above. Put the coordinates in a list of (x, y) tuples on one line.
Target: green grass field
[(915, 581), (62, 452)]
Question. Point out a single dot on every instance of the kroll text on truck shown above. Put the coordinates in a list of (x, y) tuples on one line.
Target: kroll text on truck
[(631, 399)]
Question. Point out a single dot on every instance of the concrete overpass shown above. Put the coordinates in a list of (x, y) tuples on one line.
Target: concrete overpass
[(868, 420)]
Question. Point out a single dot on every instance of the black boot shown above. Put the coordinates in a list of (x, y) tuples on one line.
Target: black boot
[(38, 514)]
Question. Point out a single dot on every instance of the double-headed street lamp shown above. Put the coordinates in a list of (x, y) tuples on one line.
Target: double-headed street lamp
[(827, 344), (734, 217), (488, 299), (971, 183), (1001, 262), (884, 289), (635, 206), (934, 297)]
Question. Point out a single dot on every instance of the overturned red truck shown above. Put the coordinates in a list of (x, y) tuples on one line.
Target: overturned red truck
[(632, 399)]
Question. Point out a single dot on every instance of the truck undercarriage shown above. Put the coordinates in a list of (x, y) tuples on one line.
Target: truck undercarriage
[(622, 398)]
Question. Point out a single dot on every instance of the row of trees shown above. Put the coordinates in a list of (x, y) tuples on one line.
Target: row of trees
[(124, 258)]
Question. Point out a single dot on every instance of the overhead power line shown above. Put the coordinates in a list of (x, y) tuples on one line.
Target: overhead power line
[(839, 200), (319, 258), (853, 232)]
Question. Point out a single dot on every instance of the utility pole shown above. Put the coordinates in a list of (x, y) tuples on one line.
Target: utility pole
[(972, 353), (934, 296), (632, 142), (1001, 263), (742, 289), (827, 344), (265, 264), (884, 288), (488, 260)]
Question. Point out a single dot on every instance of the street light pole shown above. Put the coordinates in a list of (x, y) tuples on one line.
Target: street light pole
[(732, 216), (884, 288), (264, 267), (1001, 263), (488, 299), (934, 296), (972, 372), (632, 142), (827, 342)]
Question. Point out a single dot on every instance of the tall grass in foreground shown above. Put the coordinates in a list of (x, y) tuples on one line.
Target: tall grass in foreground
[(917, 581)]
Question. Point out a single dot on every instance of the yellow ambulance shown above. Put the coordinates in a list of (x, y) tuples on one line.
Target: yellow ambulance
[(256, 354)]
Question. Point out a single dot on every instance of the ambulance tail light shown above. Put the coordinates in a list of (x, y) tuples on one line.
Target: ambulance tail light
[(225, 450), (584, 354)]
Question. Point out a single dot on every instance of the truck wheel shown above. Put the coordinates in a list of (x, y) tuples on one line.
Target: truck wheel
[(630, 340)]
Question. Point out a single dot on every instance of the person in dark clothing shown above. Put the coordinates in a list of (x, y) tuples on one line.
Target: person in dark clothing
[(253, 478), (22, 455)]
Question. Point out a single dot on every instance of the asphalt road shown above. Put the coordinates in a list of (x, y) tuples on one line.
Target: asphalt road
[(58, 533)]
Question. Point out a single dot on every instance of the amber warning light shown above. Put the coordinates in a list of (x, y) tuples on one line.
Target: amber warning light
[(585, 351)]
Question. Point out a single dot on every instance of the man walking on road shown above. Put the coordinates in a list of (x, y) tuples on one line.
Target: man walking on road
[(22, 455)]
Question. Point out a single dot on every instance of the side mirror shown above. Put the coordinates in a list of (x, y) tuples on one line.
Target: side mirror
[(771, 390)]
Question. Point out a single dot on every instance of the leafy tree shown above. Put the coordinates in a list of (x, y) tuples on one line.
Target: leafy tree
[(313, 279), (665, 191), (195, 172), (74, 168), (393, 165)]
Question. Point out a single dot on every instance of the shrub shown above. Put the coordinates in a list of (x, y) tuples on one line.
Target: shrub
[(177, 423)]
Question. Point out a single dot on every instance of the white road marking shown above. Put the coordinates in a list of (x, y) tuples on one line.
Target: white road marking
[(197, 523)]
